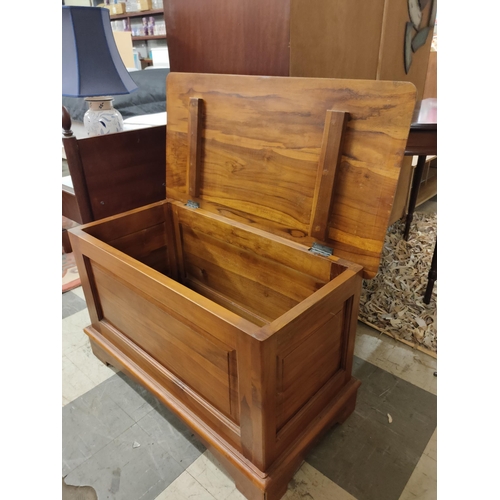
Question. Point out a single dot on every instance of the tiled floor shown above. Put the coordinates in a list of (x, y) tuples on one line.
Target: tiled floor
[(120, 440)]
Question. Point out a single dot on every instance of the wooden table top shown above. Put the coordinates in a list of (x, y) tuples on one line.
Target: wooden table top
[(422, 139), (425, 114)]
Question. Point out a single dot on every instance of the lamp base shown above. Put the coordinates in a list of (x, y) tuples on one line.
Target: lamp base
[(102, 118)]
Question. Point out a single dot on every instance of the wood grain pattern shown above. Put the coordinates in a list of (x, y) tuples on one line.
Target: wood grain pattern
[(173, 264), (294, 326), (245, 292), (355, 39), (316, 359), (352, 39), (260, 281), (202, 416), (227, 302), (227, 36), (330, 156), (257, 392), (261, 148), (201, 363), (116, 172), (121, 225), (140, 234), (148, 246), (206, 358), (130, 177), (246, 334), (335, 39), (194, 137), (278, 250), (249, 480), (213, 364), (165, 291)]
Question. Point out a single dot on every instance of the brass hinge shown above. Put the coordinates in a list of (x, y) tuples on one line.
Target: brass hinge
[(192, 204), (323, 250)]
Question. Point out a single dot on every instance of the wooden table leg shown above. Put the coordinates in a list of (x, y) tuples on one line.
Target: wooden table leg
[(415, 186), (432, 277)]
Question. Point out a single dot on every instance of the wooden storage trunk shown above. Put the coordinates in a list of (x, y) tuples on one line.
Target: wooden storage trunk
[(219, 299)]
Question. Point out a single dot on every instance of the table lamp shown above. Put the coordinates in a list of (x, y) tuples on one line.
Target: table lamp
[(92, 67)]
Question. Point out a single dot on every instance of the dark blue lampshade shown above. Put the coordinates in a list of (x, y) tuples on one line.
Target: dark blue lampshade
[(91, 63)]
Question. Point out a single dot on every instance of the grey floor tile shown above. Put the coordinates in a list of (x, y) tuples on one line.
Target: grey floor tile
[(368, 456), (71, 304), (89, 423), (172, 434), (100, 429), (132, 398), (131, 467)]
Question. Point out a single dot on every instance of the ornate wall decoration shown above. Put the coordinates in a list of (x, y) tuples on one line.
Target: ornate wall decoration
[(416, 34)]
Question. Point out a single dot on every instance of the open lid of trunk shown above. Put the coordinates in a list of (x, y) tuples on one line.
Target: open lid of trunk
[(314, 160)]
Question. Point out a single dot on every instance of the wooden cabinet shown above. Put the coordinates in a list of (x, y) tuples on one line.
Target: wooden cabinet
[(235, 300), (324, 38), (227, 36)]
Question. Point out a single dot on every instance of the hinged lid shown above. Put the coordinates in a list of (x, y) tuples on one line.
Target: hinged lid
[(310, 159)]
